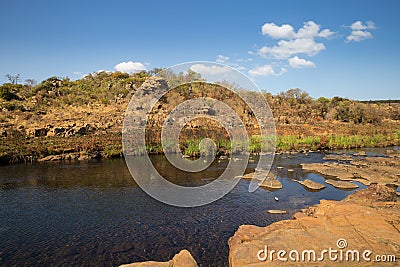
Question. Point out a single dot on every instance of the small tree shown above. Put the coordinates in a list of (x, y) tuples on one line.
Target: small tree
[(14, 79), (31, 83)]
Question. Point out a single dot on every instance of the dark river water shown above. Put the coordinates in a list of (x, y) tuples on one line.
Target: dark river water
[(93, 213)]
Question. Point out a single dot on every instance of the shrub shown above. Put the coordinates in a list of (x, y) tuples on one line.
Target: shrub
[(8, 91)]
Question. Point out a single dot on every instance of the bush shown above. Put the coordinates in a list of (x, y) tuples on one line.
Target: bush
[(8, 91)]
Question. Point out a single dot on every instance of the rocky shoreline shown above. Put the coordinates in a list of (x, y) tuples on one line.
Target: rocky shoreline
[(367, 220)]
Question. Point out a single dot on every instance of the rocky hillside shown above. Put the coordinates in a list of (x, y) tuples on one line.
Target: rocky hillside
[(38, 120)]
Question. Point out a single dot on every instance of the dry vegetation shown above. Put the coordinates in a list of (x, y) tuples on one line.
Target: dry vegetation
[(59, 116)]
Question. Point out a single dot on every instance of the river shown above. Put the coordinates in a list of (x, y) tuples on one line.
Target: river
[(93, 213)]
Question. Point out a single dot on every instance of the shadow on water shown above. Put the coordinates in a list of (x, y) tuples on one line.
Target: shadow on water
[(94, 214)]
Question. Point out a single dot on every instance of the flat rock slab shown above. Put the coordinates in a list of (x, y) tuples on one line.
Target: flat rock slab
[(259, 175), (341, 184), (182, 259), (270, 181), (312, 185), (369, 170), (277, 211), (272, 184), (320, 227), (338, 157)]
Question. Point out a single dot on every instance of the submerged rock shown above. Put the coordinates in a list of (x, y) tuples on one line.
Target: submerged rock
[(347, 225), (341, 184), (312, 185), (182, 259)]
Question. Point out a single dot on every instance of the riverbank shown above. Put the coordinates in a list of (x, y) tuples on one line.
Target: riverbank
[(60, 119), (367, 220), (22, 148)]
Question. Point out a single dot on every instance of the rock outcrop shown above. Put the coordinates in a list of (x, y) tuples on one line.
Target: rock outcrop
[(367, 220), (368, 170), (182, 259)]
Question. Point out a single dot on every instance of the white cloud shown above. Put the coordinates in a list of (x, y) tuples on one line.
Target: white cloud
[(297, 62), (210, 70), (292, 42), (285, 49), (360, 31), (359, 25), (284, 31), (222, 59), (265, 70), (309, 30), (326, 33), (107, 71), (358, 36), (130, 67)]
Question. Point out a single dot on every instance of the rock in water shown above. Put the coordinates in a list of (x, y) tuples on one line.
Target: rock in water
[(270, 181), (312, 185), (277, 211), (341, 184)]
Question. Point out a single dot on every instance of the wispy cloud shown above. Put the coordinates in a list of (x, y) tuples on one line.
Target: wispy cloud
[(210, 70), (222, 59), (266, 70)]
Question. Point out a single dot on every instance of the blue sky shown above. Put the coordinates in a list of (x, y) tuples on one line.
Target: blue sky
[(327, 48)]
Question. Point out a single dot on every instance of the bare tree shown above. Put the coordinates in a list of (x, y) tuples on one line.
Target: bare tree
[(30, 83), (14, 79)]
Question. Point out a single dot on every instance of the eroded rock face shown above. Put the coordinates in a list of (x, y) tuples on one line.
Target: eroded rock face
[(364, 225), (182, 259)]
